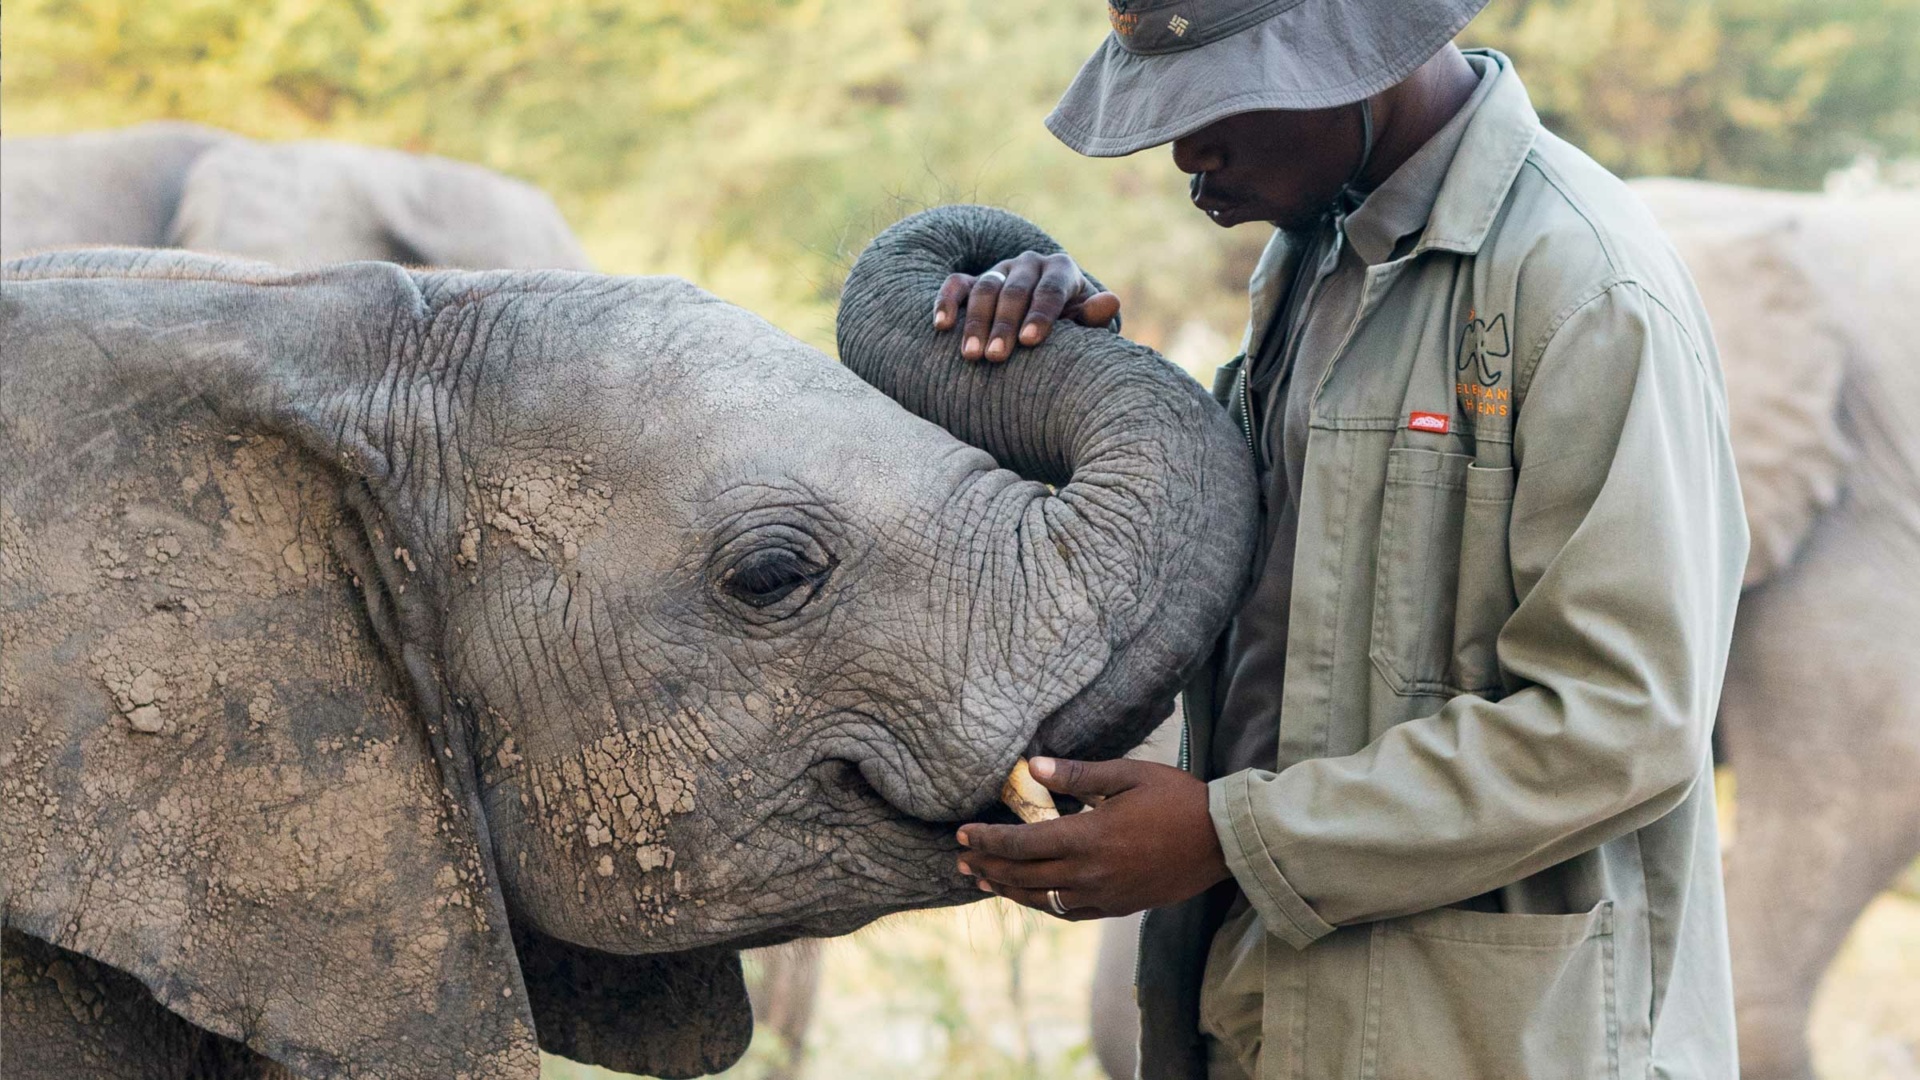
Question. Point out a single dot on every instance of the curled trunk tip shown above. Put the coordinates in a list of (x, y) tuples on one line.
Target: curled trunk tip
[(1153, 479)]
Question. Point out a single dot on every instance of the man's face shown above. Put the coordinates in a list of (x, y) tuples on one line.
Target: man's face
[(1280, 166)]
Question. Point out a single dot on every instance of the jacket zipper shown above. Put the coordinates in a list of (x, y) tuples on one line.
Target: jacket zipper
[(1246, 414), (1185, 764), (1284, 342), (1185, 759)]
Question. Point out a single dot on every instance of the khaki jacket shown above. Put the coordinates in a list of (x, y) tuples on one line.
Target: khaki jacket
[(1489, 850)]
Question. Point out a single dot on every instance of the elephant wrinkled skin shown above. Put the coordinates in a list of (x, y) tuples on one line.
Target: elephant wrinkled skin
[(297, 204), (405, 670)]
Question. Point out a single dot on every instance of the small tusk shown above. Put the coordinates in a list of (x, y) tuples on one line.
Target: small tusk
[(1024, 795)]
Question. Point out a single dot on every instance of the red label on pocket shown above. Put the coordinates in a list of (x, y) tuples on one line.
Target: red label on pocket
[(1437, 423)]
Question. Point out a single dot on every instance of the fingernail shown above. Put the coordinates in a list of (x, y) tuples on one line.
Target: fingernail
[(1041, 767), (962, 837), (1030, 334), (971, 347), (941, 319), (997, 349), (964, 868), (986, 886)]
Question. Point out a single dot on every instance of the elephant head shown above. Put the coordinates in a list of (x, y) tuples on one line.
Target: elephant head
[(310, 203), (96, 187), (297, 203), (474, 654)]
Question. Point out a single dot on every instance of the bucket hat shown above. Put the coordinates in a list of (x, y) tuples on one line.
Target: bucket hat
[(1171, 67)]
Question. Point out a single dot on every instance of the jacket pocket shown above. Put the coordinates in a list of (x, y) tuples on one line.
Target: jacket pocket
[(1456, 994), (1416, 570)]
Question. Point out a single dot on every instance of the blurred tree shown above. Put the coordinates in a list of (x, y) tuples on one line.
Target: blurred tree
[(754, 146), (1776, 92)]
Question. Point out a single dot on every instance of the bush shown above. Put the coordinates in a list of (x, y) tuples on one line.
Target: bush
[(755, 146)]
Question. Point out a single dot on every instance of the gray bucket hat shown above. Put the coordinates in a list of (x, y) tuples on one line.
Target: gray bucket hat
[(1171, 67)]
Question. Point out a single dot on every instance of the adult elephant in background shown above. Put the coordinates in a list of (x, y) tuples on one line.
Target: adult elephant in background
[(408, 669), (1815, 302), (297, 204)]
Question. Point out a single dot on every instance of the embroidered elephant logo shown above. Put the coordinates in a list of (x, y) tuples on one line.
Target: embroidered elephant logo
[(1479, 341)]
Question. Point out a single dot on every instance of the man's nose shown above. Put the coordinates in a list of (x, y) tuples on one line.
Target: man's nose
[(1193, 157)]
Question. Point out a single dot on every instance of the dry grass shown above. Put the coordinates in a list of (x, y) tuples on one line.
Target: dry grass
[(1866, 1022), (942, 995), (995, 992), (985, 992)]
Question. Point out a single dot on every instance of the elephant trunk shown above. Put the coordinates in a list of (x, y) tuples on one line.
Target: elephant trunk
[(1154, 509)]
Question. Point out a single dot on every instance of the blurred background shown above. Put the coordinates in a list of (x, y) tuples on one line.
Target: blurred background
[(754, 147)]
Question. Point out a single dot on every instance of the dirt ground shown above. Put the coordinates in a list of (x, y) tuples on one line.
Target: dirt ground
[(942, 995), (993, 991)]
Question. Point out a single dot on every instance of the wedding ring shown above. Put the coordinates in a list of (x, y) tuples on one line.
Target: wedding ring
[(994, 274), (1053, 901)]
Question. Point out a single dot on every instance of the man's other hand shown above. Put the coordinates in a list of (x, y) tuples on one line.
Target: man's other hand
[(1031, 292), (1147, 842)]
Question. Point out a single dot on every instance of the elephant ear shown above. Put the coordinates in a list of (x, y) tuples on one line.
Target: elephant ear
[(310, 203), (1785, 357), (225, 767), (669, 1015)]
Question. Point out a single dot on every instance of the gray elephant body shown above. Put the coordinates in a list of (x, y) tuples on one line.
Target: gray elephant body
[(1814, 305), (296, 204), (404, 670), (117, 188)]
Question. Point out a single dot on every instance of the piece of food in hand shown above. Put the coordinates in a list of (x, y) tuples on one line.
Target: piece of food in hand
[(1024, 795)]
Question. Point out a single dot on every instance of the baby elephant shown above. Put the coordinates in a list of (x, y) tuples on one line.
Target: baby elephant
[(407, 670)]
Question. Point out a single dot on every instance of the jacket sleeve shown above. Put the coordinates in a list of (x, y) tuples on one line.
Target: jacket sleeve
[(1627, 545)]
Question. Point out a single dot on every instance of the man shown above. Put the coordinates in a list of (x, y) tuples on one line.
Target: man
[(1448, 810)]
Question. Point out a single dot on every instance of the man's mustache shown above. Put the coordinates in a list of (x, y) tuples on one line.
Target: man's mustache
[(1201, 191)]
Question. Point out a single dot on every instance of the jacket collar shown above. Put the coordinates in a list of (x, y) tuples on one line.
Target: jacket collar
[(1403, 204), (1497, 142), (1498, 138)]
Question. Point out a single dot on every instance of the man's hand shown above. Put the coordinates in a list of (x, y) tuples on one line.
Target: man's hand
[(1030, 291), (1148, 842)]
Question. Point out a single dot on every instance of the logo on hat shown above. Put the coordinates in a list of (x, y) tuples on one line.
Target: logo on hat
[(1178, 25)]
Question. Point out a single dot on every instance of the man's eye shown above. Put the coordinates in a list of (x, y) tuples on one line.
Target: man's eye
[(767, 577)]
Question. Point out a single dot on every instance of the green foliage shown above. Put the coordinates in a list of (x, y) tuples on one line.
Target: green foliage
[(754, 146), (1775, 92)]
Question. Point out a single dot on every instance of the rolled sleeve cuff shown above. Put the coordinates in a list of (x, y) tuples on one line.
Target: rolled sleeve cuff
[(1230, 803)]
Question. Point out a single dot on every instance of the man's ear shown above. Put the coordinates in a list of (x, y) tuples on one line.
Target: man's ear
[(310, 203), (668, 1015)]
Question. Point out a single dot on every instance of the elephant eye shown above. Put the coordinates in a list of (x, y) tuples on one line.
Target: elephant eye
[(770, 575)]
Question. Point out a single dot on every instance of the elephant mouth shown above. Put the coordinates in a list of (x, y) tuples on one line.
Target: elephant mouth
[(847, 787), (901, 861)]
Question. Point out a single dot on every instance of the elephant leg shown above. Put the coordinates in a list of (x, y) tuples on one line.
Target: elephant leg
[(1822, 715), (783, 995), (62, 1014)]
